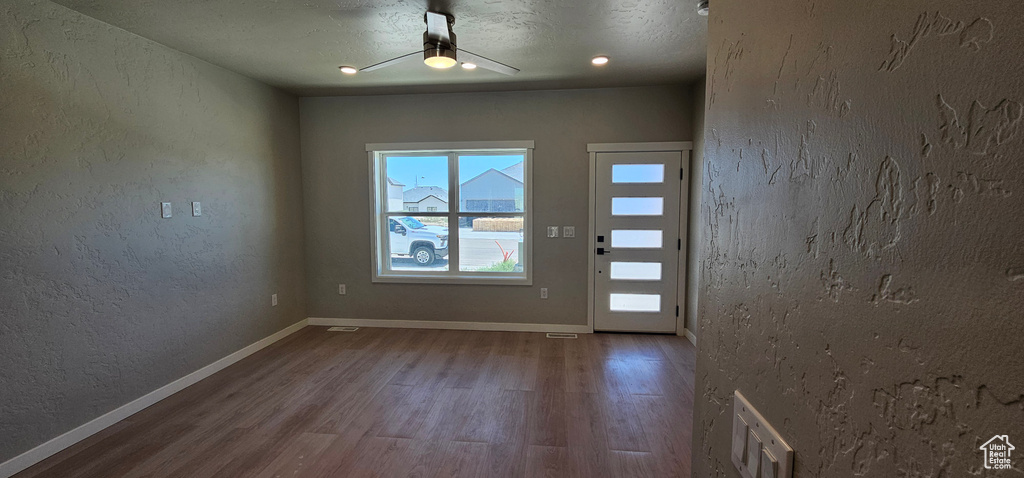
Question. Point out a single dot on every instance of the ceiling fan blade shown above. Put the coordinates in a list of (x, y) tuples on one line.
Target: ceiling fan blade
[(437, 28), (486, 63), (393, 61)]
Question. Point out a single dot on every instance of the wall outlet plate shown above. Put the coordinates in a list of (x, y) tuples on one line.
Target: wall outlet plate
[(569, 231), (165, 210), (273, 300), (543, 292), (197, 209), (754, 431), (552, 231), (341, 289)]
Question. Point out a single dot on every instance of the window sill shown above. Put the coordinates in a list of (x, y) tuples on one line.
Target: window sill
[(458, 280)]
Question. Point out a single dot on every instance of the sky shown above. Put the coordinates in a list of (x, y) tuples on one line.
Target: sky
[(433, 171)]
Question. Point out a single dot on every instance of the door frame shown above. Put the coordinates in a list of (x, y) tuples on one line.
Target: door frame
[(669, 146)]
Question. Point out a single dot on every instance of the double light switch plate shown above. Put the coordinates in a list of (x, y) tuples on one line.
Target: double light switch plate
[(758, 451)]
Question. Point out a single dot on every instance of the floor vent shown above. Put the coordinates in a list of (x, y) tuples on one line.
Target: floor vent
[(561, 336), (343, 329)]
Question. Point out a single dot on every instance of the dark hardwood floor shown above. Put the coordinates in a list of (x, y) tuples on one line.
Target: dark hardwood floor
[(425, 403)]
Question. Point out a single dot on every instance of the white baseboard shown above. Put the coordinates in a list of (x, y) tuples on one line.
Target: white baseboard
[(689, 336), (50, 448), (446, 325)]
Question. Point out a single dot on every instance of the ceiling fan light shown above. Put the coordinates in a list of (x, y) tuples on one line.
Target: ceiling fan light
[(469, 66), (441, 58), (599, 60), (440, 62), (348, 70)]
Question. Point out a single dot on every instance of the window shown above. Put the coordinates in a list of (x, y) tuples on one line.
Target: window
[(451, 213)]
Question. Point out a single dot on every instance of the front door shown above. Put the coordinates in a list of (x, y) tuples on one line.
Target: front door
[(638, 243)]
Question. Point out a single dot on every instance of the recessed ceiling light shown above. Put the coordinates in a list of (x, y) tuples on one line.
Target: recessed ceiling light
[(348, 70), (599, 60), (469, 66), (702, 8)]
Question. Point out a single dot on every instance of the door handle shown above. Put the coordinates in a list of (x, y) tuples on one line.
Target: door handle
[(601, 251)]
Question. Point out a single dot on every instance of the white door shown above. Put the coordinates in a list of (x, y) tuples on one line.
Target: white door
[(638, 242), (398, 237)]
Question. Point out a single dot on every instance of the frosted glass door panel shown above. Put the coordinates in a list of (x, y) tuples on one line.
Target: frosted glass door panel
[(636, 270), (638, 173), (632, 239), (635, 303), (638, 206)]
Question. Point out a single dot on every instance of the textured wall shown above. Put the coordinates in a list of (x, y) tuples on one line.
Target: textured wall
[(863, 261), (102, 300), (336, 181), (693, 243)]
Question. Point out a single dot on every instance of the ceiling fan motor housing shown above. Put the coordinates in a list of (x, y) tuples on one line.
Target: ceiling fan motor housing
[(439, 47), (440, 50), (430, 45)]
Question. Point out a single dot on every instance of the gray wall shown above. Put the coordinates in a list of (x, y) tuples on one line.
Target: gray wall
[(104, 301), (693, 244), (863, 262), (336, 181)]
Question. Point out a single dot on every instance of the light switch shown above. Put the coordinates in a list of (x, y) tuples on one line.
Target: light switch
[(753, 455), (552, 231), (769, 465), (758, 450), (739, 439), (197, 210), (165, 210), (569, 231)]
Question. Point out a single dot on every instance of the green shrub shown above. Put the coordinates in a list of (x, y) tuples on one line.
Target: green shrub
[(504, 266)]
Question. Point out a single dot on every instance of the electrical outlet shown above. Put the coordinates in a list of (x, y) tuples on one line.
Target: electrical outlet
[(197, 209), (552, 231), (165, 210), (273, 300), (543, 292), (341, 289), (569, 231)]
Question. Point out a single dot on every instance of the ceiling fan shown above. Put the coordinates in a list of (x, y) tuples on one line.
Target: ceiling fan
[(440, 50)]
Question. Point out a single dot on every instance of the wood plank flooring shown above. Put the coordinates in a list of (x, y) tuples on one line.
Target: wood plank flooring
[(418, 403)]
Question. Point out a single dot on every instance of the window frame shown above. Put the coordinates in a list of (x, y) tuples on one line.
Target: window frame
[(381, 263)]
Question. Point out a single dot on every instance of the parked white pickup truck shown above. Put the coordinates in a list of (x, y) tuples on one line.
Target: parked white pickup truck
[(409, 237)]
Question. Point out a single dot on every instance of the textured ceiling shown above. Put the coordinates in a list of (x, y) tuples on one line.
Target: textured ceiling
[(298, 44)]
